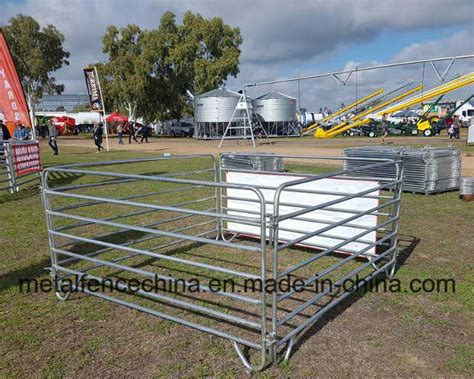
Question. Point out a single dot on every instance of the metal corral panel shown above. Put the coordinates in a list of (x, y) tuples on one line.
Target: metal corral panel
[(275, 107), (215, 106)]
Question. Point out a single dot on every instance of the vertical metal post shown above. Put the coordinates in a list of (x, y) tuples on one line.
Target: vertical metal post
[(104, 118), (10, 166), (395, 215)]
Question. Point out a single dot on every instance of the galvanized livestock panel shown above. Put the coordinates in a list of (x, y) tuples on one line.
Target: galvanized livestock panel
[(191, 221)]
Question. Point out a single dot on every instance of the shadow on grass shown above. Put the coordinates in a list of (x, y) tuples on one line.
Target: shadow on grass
[(31, 272), (38, 269), (118, 238), (56, 179), (23, 194), (407, 245)]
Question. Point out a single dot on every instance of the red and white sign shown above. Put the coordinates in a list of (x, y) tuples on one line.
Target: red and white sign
[(27, 158)]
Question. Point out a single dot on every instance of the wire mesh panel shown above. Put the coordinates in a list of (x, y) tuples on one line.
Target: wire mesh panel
[(208, 240)]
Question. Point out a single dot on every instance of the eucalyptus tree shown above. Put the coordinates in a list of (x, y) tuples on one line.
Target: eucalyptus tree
[(37, 53)]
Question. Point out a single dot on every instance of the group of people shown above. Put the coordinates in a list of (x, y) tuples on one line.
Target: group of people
[(21, 133), (130, 129)]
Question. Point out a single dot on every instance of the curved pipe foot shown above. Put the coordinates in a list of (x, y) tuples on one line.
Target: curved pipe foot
[(62, 297), (245, 361)]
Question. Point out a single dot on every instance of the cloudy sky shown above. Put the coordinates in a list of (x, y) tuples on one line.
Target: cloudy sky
[(284, 38)]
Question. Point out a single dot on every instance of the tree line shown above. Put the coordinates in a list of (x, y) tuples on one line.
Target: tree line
[(147, 71)]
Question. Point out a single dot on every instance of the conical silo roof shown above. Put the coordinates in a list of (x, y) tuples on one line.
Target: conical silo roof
[(274, 95), (220, 92)]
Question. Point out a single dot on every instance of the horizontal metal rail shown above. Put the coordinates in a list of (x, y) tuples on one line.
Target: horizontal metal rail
[(153, 206), (320, 295), (171, 300), (121, 181), (165, 257), (332, 202), (151, 274), (339, 223), (335, 266), (210, 227), (163, 221), (328, 307), (133, 255), (136, 213), (293, 205), (178, 320)]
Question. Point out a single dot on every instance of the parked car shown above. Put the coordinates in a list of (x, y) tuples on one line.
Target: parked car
[(181, 129)]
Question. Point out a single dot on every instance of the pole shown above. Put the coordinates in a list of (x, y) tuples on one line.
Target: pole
[(104, 118), (32, 120), (299, 94)]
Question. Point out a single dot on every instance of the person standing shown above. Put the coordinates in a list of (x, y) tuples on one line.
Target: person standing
[(138, 131), (5, 131), (98, 132), (21, 132), (457, 127), (120, 134), (384, 128), (145, 133), (131, 132), (53, 136)]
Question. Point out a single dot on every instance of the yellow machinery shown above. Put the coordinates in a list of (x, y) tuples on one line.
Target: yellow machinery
[(343, 126), (437, 91), (343, 110)]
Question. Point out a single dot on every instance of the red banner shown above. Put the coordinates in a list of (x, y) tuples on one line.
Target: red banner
[(12, 97), (27, 158)]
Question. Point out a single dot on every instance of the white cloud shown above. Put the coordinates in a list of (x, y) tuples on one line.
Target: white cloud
[(278, 35)]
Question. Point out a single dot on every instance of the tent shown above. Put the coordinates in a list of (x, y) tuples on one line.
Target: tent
[(116, 117)]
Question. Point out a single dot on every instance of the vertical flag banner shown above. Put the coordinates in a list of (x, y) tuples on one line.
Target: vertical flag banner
[(93, 89), (12, 98), (95, 97)]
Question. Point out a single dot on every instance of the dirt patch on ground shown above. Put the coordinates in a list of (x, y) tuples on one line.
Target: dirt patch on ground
[(296, 146)]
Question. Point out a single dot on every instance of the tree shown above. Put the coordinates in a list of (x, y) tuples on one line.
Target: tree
[(37, 53), (126, 73), (197, 55), (214, 50), (148, 71)]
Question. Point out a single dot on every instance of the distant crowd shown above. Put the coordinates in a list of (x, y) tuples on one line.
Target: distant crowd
[(134, 131)]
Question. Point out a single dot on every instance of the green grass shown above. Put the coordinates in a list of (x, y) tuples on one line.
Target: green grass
[(85, 336)]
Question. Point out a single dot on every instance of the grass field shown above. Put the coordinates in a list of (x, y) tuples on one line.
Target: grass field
[(373, 334)]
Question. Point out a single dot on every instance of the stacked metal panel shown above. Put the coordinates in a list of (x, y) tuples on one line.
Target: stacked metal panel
[(426, 170), (466, 186), (261, 162)]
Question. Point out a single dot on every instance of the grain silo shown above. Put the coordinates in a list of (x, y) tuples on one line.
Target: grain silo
[(212, 112), (277, 114)]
